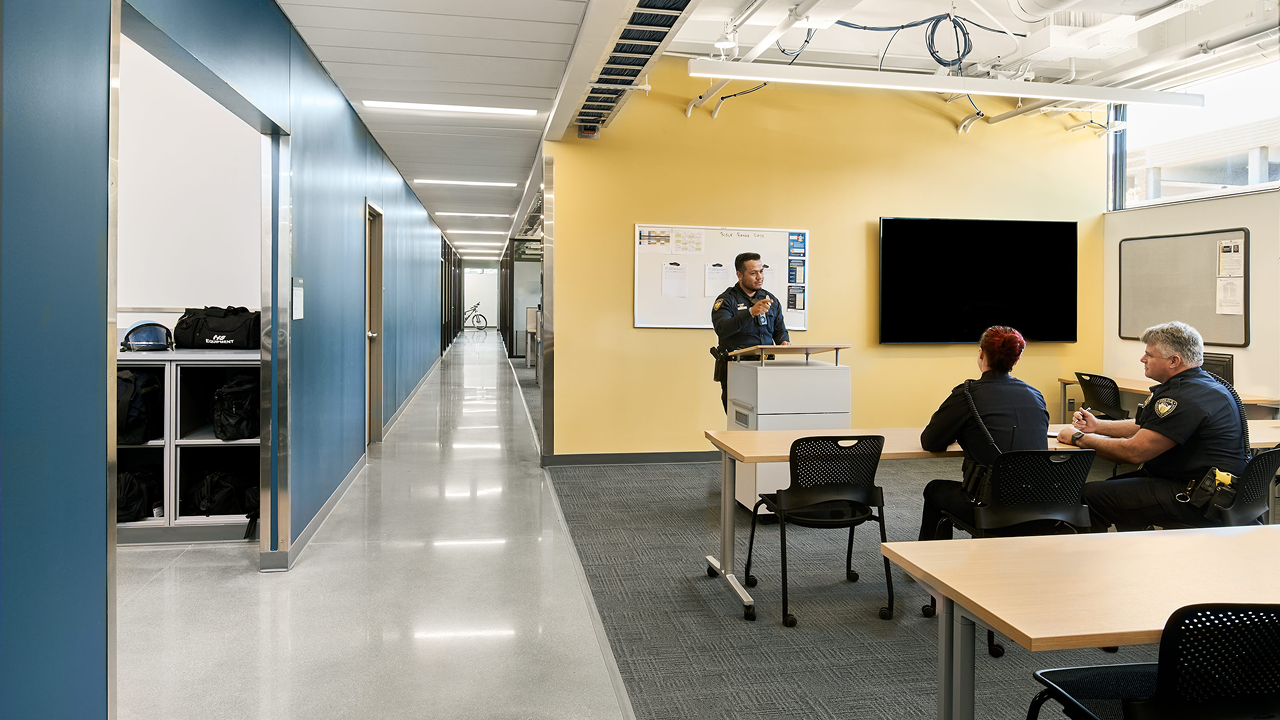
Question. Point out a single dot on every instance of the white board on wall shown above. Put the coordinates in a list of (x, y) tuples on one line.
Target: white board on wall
[(680, 269)]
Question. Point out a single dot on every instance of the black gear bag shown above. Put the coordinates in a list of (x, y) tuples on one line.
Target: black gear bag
[(216, 328), (139, 407), (235, 409)]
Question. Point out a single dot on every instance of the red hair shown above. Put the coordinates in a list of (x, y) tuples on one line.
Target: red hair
[(1003, 346)]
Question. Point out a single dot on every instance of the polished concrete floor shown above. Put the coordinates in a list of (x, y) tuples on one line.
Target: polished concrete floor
[(444, 585)]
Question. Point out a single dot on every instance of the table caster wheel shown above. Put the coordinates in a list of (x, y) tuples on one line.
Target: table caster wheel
[(789, 620), (996, 650), (928, 611), (885, 613), (751, 581), (712, 572), (748, 612), (851, 575)]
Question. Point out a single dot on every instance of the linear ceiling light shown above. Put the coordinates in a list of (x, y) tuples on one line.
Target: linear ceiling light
[(447, 108), (497, 215), (807, 75), (470, 245), (464, 182), (477, 232)]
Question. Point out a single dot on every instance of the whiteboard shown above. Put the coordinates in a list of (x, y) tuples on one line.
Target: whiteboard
[(1187, 278), (680, 269)]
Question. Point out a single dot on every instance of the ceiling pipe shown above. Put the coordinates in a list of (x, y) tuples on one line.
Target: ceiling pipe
[(797, 13), (1033, 11)]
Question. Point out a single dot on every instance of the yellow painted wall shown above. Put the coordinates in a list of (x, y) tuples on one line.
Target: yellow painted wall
[(834, 161)]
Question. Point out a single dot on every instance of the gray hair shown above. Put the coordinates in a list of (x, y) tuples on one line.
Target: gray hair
[(1177, 338)]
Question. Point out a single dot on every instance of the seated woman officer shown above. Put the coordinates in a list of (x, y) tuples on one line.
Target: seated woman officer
[(1013, 411)]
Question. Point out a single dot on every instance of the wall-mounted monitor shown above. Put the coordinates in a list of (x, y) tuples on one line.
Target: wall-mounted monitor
[(945, 281)]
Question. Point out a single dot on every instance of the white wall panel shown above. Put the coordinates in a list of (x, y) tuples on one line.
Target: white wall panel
[(190, 212)]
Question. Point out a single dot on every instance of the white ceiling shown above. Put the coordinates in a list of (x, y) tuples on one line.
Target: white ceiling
[(489, 53)]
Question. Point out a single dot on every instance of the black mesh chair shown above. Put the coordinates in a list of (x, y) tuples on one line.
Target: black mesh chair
[(1102, 395), (1217, 662), (1030, 492), (832, 486), (1254, 491)]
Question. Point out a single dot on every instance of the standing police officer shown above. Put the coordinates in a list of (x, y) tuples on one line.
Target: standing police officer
[(745, 315)]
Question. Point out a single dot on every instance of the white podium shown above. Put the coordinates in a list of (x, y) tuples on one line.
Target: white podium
[(793, 391)]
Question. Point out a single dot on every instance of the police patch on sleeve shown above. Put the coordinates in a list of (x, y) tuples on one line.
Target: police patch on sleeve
[(1164, 406), (719, 302)]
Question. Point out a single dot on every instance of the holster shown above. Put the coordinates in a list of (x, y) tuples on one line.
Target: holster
[(722, 364)]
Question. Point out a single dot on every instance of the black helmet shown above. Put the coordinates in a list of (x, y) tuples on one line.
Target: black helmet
[(147, 335)]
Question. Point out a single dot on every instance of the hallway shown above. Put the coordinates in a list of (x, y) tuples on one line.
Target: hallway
[(443, 585)]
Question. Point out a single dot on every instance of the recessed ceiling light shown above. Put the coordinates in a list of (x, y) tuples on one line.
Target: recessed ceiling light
[(497, 215), (464, 182), (477, 232), (448, 108)]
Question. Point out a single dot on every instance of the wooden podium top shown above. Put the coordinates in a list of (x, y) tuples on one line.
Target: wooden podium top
[(789, 349)]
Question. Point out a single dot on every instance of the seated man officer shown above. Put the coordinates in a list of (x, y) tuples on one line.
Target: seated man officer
[(1188, 425), (1013, 411), (745, 315)]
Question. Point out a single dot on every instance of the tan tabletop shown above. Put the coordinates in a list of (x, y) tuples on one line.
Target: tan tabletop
[(759, 446), (1059, 592), (1143, 387)]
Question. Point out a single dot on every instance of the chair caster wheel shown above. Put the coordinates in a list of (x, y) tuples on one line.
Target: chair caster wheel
[(751, 581), (1111, 649), (996, 650), (789, 620), (851, 575), (748, 612), (712, 572), (928, 611), (885, 613)]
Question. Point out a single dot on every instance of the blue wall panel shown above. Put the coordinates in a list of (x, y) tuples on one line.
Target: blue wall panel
[(244, 42), (53, 359), (328, 148)]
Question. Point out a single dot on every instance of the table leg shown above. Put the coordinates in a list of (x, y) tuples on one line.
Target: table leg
[(962, 665), (946, 655), (724, 565), (1063, 393)]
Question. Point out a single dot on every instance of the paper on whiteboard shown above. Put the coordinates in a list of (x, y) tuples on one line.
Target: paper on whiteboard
[(1230, 258), (772, 278), (687, 241), (1230, 296), (675, 281), (718, 277), (654, 241)]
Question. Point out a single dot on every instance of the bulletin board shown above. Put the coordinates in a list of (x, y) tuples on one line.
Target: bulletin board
[(1201, 279), (681, 269)]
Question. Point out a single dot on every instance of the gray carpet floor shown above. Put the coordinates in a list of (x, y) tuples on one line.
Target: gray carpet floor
[(684, 650)]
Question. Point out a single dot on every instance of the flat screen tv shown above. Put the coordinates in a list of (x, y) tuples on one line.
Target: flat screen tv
[(945, 281)]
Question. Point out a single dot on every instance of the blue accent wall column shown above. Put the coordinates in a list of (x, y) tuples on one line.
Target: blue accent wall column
[(54, 538)]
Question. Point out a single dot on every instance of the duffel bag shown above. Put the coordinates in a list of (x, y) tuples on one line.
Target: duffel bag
[(216, 328), (235, 409), (139, 407), (136, 492)]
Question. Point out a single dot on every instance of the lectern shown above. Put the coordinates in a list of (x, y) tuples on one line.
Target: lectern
[(783, 387)]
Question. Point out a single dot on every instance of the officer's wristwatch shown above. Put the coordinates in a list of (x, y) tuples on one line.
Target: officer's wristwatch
[(1075, 437)]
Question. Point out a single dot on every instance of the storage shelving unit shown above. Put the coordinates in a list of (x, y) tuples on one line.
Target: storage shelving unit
[(189, 450)]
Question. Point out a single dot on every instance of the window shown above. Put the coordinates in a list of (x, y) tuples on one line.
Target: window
[(1230, 145)]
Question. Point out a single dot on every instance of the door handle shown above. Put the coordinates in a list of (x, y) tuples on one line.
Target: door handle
[(372, 335)]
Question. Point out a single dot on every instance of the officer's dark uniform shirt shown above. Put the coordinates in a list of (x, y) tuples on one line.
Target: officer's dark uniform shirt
[(1004, 402), (1199, 414), (738, 328)]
